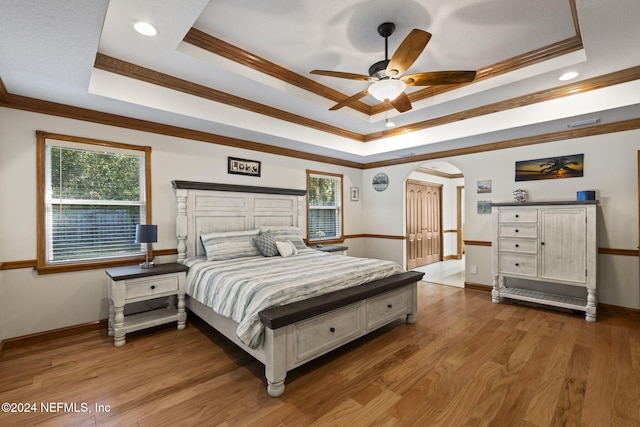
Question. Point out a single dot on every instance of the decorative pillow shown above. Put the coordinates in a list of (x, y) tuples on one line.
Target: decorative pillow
[(282, 233), (287, 249), (266, 244), (225, 245)]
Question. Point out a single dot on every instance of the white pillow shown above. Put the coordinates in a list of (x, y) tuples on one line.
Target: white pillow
[(286, 249)]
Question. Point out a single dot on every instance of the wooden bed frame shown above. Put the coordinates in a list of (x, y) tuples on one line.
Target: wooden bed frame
[(298, 332)]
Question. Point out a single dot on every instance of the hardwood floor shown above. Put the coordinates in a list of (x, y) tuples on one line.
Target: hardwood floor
[(467, 362)]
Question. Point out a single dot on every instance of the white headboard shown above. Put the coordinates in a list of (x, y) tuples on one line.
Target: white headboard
[(207, 207)]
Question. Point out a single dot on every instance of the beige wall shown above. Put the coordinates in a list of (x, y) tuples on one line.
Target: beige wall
[(30, 303), (33, 303), (610, 169)]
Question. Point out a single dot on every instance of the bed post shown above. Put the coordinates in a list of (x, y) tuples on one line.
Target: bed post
[(301, 223), (275, 369), (181, 223), (411, 316)]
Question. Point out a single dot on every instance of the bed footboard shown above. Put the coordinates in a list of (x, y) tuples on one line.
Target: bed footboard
[(302, 331)]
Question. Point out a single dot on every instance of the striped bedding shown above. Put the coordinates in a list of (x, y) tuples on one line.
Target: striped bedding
[(240, 288)]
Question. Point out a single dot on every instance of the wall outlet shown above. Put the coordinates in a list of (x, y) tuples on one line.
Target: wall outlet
[(473, 269)]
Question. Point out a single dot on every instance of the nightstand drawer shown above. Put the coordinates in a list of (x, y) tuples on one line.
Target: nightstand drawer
[(148, 287)]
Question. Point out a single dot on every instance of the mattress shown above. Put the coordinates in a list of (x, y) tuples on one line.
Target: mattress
[(242, 287)]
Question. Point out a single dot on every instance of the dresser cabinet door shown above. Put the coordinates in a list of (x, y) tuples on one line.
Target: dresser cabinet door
[(563, 249)]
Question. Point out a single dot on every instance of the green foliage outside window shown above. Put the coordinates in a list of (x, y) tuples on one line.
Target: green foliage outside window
[(93, 175), (322, 191)]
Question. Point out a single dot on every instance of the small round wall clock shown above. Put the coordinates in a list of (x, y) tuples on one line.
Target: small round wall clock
[(380, 182)]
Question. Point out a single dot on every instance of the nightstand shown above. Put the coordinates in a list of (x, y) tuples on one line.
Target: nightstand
[(133, 284), (336, 249)]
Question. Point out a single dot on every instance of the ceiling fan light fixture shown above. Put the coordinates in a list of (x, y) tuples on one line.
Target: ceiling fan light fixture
[(386, 90)]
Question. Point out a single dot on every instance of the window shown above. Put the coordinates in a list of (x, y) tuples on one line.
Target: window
[(324, 197), (91, 195)]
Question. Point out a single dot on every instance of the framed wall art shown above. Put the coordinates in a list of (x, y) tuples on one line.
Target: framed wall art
[(484, 186), (484, 207), (571, 166), (355, 194), (243, 166)]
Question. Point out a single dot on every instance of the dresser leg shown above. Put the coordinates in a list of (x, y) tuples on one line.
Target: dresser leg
[(592, 306), (498, 281)]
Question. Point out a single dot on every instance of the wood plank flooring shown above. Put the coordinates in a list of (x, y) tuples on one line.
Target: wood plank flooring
[(467, 362)]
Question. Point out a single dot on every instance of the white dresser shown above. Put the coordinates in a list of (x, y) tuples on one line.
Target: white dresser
[(552, 242)]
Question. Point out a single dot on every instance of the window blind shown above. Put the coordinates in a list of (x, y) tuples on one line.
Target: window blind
[(94, 199), (325, 214)]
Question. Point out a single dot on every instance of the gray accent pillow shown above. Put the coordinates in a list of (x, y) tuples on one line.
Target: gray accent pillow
[(266, 244), (282, 233)]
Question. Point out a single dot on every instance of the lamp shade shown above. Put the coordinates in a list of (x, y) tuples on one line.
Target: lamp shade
[(146, 233), (386, 90)]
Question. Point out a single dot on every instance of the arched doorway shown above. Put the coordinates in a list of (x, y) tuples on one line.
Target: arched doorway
[(434, 215)]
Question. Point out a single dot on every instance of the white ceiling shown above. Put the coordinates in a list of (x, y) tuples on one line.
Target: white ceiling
[(48, 49)]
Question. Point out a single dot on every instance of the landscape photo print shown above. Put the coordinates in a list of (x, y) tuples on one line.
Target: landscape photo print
[(571, 166)]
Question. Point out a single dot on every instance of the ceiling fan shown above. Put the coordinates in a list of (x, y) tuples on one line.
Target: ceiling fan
[(387, 75)]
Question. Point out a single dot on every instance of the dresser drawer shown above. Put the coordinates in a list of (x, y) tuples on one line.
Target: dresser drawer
[(149, 287), (386, 307), (518, 230), (520, 264), (518, 215), (321, 334), (512, 244)]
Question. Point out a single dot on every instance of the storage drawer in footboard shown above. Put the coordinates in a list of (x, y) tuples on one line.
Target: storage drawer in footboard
[(321, 334), (386, 307)]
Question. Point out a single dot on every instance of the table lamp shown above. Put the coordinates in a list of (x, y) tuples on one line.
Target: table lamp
[(146, 233)]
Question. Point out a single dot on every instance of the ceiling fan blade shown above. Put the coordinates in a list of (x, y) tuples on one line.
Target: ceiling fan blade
[(408, 51), (438, 78), (401, 102), (349, 100), (339, 74)]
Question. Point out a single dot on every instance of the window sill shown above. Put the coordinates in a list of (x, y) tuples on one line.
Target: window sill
[(324, 242), (95, 265)]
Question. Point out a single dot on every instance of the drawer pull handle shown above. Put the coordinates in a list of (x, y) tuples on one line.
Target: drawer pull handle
[(153, 287), (517, 245), (542, 243), (517, 216), (517, 230), (389, 306), (517, 265), (332, 329)]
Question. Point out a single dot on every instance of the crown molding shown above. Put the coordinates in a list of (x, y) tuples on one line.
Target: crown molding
[(248, 59)]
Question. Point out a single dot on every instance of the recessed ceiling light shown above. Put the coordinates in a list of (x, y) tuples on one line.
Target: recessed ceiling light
[(569, 75), (145, 28)]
